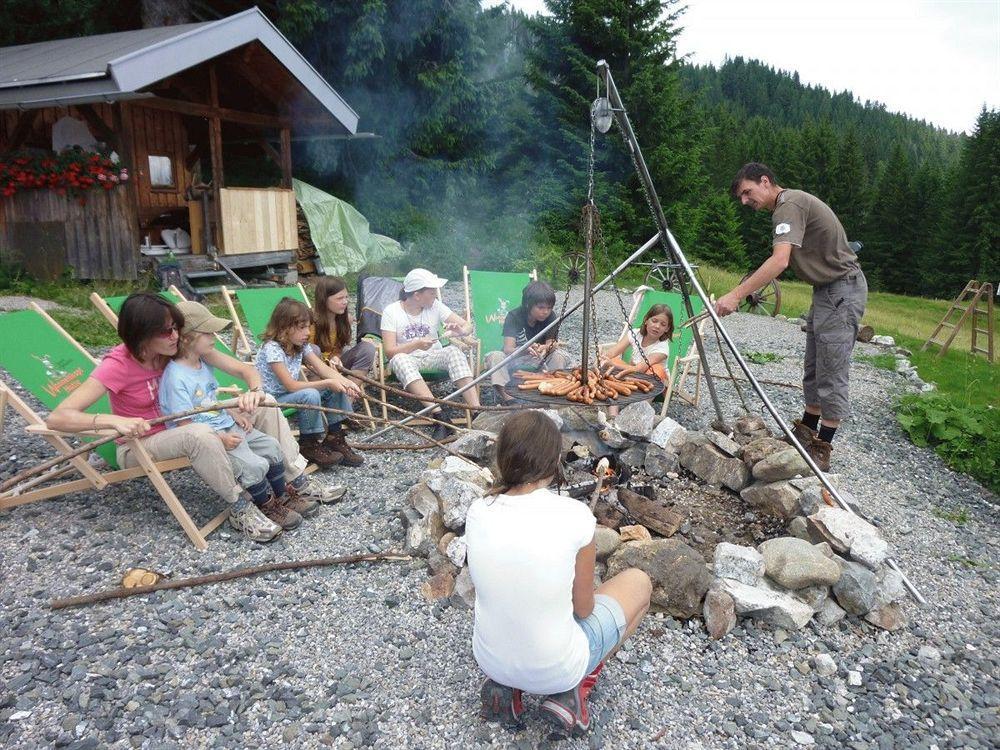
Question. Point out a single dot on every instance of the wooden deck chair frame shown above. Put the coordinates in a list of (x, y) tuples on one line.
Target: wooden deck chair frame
[(382, 373), (91, 478), (469, 315)]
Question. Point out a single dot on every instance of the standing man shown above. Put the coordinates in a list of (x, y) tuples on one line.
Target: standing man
[(808, 235)]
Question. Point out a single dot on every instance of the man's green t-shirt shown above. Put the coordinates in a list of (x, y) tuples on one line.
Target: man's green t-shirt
[(820, 253)]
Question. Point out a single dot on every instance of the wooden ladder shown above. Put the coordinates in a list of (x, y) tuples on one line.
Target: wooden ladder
[(967, 303)]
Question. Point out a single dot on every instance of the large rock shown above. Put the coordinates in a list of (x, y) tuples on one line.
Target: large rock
[(658, 462), (456, 496), (851, 534), (814, 596), (724, 443), (743, 564), (799, 528), (457, 468), (719, 613), (634, 455), (749, 428), (804, 483), (668, 434), (650, 513), (479, 445), (465, 592), (778, 499), (636, 419), (634, 533), (890, 587), (606, 541), (782, 610), (796, 564), (438, 586), (887, 617), (711, 465), (423, 518), (573, 420), (783, 464), (456, 551), (856, 589), (830, 613), (679, 574), (756, 451), (491, 421)]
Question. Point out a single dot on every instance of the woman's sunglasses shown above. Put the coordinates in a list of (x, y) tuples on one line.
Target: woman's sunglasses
[(167, 332)]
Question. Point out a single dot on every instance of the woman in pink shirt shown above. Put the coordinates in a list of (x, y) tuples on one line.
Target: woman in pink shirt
[(149, 327)]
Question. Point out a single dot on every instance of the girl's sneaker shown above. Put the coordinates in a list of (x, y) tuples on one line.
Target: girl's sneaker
[(501, 703), (253, 524), (568, 710)]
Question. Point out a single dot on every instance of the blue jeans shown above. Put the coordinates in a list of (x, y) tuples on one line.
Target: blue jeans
[(604, 628), (313, 423)]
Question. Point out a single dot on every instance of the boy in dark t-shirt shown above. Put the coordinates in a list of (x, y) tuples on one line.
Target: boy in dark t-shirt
[(538, 302)]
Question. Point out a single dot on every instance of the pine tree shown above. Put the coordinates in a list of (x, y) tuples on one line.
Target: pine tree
[(977, 228), (848, 192), (719, 241), (891, 226)]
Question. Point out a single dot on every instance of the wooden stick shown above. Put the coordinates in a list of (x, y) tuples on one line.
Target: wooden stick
[(228, 575)]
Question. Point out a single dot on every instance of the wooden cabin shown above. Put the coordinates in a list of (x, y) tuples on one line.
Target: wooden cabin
[(201, 116)]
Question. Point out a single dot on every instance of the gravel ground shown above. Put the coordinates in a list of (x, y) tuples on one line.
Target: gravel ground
[(351, 657)]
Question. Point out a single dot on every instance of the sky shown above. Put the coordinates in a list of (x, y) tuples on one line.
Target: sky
[(935, 60)]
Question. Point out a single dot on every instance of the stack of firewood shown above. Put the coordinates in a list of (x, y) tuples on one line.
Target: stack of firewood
[(306, 253)]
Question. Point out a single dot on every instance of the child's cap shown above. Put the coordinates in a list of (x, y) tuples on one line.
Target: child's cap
[(421, 278), (197, 319)]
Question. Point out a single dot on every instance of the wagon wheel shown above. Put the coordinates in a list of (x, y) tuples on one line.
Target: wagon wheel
[(766, 301), (572, 265), (667, 277)]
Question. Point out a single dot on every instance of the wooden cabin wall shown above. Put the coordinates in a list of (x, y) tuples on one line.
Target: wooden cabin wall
[(159, 133), (48, 233)]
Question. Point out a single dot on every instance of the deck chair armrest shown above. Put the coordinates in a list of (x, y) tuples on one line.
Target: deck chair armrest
[(42, 430)]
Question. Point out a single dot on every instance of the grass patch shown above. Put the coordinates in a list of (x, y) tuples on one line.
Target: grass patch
[(762, 358), (881, 361), (958, 517), (968, 562)]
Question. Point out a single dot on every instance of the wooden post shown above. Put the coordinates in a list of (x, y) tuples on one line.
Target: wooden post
[(23, 129), (215, 146), (286, 158)]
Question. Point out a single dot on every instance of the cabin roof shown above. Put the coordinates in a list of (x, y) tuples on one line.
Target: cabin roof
[(117, 67)]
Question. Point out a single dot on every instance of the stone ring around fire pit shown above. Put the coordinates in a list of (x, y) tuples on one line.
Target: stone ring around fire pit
[(544, 400)]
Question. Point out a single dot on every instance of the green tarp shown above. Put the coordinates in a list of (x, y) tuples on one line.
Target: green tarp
[(343, 240)]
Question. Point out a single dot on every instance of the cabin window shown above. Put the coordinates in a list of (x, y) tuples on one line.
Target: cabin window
[(161, 171)]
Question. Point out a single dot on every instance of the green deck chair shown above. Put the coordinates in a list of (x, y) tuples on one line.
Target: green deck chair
[(257, 305), (50, 364), (489, 296), (682, 357)]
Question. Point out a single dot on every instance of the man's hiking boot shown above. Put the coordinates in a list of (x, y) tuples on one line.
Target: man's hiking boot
[(501, 703), (803, 433), (337, 442), (281, 514), (313, 450), (819, 451), (313, 490), (503, 397), (352, 425), (296, 502), (253, 524), (568, 710), (441, 432)]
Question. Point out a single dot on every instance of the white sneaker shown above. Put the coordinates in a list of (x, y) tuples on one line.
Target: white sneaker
[(313, 490), (253, 524)]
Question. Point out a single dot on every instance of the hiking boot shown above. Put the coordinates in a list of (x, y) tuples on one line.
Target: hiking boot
[(313, 450), (568, 710), (282, 515), (294, 501), (441, 432), (803, 433), (819, 451), (253, 524), (352, 425), (501, 703), (313, 490), (337, 442)]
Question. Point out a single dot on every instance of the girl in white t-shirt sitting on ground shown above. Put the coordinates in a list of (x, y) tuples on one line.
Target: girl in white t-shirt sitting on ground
[(410, 337), (652, 338), (540, 626)]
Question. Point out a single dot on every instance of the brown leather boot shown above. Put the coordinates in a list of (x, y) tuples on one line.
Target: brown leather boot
[(301, 505), (280, 513), (312, 449), (819, 451), (337, 441), (803, 433)]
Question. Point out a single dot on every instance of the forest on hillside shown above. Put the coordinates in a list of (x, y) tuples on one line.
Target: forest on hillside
[(484, 137)]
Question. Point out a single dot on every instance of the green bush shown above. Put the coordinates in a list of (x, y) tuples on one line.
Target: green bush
[(966, 437)]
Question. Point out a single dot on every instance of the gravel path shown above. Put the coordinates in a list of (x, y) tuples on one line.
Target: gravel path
[(351, 657)]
